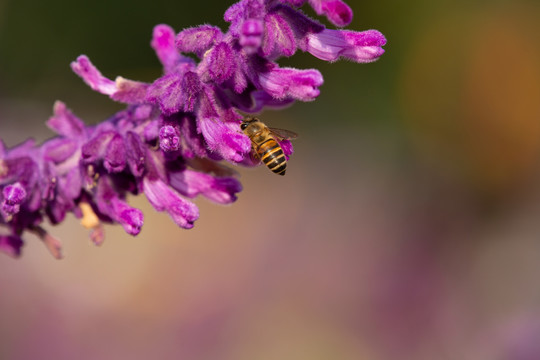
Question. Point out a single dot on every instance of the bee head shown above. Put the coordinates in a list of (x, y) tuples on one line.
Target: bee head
[(247, 122)]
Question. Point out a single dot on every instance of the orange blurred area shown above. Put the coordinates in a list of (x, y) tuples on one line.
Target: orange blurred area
[(471, 94), (407, 226)]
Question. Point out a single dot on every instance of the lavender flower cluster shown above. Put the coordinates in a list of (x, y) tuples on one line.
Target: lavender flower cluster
[(169, 140)]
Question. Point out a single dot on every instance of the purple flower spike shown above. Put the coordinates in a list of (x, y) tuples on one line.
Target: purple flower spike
[(175, 136), (330, 45)]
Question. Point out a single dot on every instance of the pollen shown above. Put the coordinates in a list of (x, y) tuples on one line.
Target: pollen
[(89, 219)]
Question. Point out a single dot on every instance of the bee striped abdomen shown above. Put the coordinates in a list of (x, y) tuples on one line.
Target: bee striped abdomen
[(272, 156)]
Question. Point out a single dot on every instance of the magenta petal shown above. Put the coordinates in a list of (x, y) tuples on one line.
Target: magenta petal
[(135, 154), (221, 62), (109, 203), (224, 138), (287, 148), (191, 87), (59, 149), (221, 190), (129, 91), (65, 123), (131, 218), (163, 39), (288, 82), (94, 149), (279, 38), (163, 198), (71, 183), (198, 39), (91, 76), (115, 154), (194, 145), (167, 92), (330, 45), (339, 13)]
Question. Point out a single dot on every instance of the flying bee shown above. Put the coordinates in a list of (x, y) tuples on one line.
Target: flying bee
[(265, 143)]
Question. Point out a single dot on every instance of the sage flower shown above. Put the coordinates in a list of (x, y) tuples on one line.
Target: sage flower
[(170, 140)]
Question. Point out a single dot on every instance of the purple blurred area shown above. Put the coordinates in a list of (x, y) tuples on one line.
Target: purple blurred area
[(407, 226)]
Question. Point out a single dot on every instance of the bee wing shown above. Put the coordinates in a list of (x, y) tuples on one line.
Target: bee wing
[(283, 134)]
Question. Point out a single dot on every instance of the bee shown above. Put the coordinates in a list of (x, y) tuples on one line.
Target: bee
[(265, 145)]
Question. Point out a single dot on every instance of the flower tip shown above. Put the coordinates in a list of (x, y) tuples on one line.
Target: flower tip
[(91, 76), (374, 37), (162, 34), (339, 13), (59, 106), (132, 221), (80, 65)]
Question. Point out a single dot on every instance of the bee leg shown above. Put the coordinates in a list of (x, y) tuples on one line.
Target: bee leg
[(254, 157), (254, 154)]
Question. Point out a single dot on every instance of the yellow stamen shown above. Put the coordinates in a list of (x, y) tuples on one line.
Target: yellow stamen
[(89, 219)]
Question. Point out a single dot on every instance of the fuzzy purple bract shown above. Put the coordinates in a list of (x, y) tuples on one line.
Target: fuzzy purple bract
[(173, 133)]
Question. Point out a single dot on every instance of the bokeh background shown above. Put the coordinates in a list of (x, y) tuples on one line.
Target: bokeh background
[(407, 227)]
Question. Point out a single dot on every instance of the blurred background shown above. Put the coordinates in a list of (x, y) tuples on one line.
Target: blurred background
[(407, 227)]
